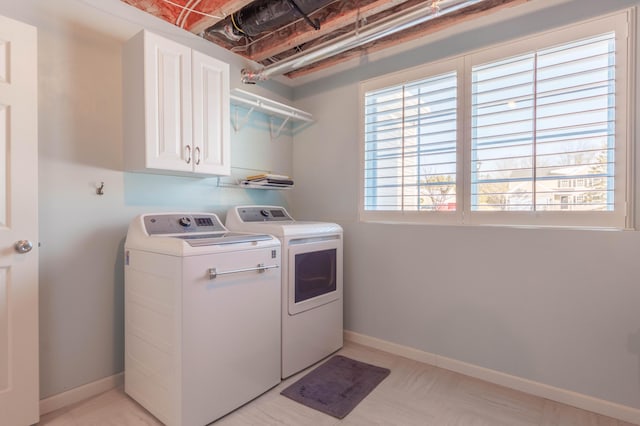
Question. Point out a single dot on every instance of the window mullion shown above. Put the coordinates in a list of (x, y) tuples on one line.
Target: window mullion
[(534, 136), (402, 168), (463, 173)]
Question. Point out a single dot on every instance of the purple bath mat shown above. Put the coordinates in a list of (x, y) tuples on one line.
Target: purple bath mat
[(337, 386)]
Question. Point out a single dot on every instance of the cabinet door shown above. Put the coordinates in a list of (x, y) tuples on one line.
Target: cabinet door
[(169, 141), (210, 115)]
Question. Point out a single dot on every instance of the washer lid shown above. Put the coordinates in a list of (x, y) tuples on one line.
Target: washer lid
[(225, 238), (186, 234)]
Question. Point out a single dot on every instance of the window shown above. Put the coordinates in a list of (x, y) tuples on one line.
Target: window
[(410, 146), (564, 183), (533, 132)]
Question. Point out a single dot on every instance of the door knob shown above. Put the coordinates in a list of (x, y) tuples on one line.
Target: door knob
[(23, 246)]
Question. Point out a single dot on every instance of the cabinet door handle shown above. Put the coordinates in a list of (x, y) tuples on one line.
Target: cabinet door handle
[(188, 150), (197, 155)]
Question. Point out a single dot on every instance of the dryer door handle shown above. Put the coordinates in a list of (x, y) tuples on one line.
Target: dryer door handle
[(213, 272)]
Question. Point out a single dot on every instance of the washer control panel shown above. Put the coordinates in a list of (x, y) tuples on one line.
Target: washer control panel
[(161, 224), (263, 214)]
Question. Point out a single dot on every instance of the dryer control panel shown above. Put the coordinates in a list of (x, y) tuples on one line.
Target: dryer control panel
[(263, 214), (161, 224)]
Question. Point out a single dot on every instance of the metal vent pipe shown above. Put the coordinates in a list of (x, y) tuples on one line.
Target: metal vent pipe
[(357, 38), (266, 15)]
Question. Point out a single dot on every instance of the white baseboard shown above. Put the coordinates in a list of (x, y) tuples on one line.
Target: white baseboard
[(585, 402), (80, 393)]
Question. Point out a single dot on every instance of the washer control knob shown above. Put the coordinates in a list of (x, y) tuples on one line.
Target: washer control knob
[(185, 221), (264, 213)]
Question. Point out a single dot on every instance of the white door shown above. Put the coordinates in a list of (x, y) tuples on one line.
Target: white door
[(19, 386), (168, 103), (211, 115)]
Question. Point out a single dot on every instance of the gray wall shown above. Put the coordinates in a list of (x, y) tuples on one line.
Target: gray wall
[(560, 307), (80, 145)]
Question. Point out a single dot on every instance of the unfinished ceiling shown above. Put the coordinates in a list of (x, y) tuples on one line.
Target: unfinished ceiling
[(298, 37)]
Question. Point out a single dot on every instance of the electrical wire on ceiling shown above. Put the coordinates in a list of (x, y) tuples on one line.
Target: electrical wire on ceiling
[(182, 10), (358, 24), (242, 48), (194, 10), (185, 12), (233, 21)]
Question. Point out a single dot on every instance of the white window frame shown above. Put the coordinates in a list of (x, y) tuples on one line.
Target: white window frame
[(620, 217), (415, 74)]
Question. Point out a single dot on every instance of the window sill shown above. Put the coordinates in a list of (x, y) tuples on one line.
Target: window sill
[(498, 226)]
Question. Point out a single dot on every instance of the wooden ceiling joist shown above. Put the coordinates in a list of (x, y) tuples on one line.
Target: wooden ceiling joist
[(348, 27), (438, 24), (159, 9), (202, 15), (221, 8), (332, 18), (336, 19)]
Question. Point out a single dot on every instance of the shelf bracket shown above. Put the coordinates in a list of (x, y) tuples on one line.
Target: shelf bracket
[(268, 106), (239, 123), (276, 134)]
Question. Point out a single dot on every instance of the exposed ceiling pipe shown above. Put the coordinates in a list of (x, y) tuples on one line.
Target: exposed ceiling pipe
[(262, 16), (357, 38)]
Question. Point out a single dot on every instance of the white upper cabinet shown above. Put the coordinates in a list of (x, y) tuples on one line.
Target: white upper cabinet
[(176, 108), (210, 115), (167, 104)]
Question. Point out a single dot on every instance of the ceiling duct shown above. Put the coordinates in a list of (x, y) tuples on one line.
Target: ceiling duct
[(358, 37), (267, 15)]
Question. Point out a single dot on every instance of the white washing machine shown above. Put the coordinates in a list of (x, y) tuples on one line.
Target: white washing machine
[(202, 316), (311, 282)]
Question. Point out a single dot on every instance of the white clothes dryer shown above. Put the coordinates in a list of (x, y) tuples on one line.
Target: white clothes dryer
[(312, 303), (202, 316)]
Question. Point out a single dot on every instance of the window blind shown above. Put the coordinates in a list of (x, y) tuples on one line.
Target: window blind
[(543, 129), (529, 132), (410, 146)]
